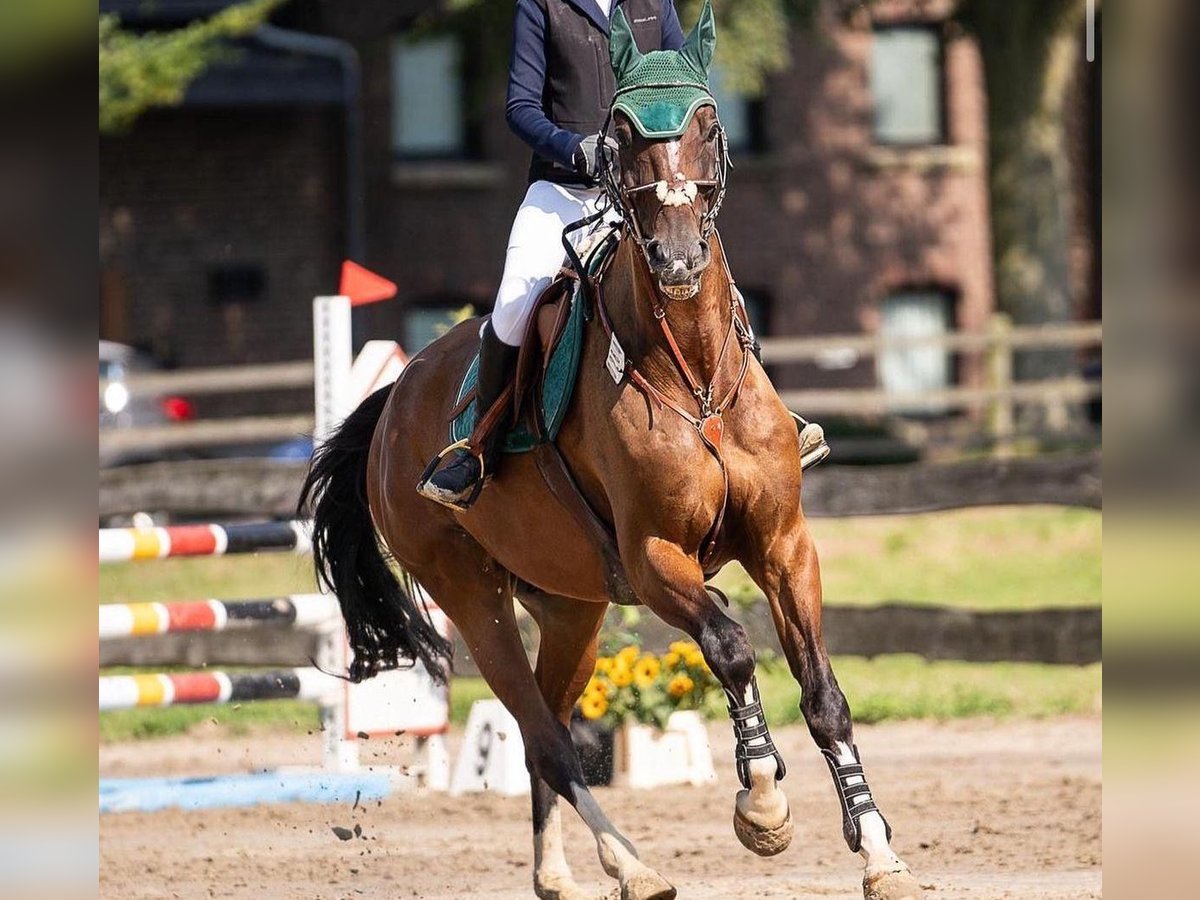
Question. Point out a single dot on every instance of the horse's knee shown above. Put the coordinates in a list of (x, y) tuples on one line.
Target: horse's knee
[(728, 652)]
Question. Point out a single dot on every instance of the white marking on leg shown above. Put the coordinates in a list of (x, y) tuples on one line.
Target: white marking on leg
[(548, 855), (875, 848)]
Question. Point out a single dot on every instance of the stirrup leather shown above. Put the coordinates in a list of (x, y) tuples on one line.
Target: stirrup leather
[(435, 463), (744, 733), (856, 799)]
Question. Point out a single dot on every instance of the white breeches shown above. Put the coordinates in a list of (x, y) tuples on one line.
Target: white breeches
[(535, 251)]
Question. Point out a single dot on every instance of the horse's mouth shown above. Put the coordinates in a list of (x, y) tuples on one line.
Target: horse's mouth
[(685, 291)]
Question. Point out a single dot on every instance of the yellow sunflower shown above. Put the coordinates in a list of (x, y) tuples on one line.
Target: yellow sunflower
[(670, 659), (628, 655), (621, 675), (681, 647), (604, 664), (694, 658), (597, 685), (645, 670), (593, 706), (680, 685)]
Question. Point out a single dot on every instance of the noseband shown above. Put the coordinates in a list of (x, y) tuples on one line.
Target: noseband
[(679, 191)]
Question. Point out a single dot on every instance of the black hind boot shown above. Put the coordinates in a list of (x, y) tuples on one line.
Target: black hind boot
[(458, 483)]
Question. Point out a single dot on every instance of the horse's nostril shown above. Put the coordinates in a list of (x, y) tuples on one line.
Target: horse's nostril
[(657, 253), (701, 253)]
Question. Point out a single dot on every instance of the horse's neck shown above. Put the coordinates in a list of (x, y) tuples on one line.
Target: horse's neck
[(699, 325)]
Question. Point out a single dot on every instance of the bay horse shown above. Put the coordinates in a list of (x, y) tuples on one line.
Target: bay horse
[(689, 462)]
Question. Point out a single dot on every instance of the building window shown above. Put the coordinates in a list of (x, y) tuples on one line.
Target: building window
[(741, 117), (425, 324), (925, 367), (907, 85), (427, 98)]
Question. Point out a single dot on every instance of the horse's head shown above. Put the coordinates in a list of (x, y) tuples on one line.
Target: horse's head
[(672, 152)]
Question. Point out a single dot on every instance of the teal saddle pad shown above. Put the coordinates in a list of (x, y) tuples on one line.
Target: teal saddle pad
[(556, 387)]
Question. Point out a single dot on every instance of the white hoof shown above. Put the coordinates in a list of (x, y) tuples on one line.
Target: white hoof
[(647, 885), (897, 884), (762, 838), (558, 887)]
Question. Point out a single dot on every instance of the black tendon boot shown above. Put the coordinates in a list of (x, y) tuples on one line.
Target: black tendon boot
[(459, 482)]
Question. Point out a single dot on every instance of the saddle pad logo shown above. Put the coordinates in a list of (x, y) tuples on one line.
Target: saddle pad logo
[(645, 19)]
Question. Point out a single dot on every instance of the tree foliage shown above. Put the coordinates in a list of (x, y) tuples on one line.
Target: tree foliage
[(140, 71)]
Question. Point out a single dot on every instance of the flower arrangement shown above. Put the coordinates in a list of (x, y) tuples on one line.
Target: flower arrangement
[(632, 686)]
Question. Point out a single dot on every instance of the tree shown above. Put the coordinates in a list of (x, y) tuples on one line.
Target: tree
[(1030, 51), (140, 71)]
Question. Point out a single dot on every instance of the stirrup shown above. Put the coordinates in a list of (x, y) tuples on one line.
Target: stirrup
[(744, 733), (426, 490), (813, 447), (856, 799)]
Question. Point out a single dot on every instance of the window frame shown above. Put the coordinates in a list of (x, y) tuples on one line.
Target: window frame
[(937, 29)]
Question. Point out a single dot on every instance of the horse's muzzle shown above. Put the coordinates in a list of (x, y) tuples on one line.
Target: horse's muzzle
[(679, 274)]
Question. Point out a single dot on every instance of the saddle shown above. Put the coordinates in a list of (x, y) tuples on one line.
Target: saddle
[(547, 366)]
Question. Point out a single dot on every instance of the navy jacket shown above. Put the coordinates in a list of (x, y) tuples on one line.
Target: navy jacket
[(560, 81)]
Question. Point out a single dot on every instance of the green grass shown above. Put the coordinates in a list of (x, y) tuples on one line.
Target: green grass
[(1004, 558), (991, 559), (136, 724), (903, 686)]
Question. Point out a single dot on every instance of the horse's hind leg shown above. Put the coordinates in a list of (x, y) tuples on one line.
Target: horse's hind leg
[(566, 659), (789, 575), (671, 584), (481, 608)]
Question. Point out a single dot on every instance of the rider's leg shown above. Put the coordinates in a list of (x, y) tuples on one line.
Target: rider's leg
[(455, 484), (534, 256)]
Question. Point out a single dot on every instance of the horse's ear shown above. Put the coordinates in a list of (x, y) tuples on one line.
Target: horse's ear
[(623, 49), (700, 45)]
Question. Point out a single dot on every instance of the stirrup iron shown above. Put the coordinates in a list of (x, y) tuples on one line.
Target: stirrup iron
[(425, 491), (744, 733), (811, 436), (856, 799)]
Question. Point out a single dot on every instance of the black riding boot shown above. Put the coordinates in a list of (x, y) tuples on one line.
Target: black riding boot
[(457, 484)]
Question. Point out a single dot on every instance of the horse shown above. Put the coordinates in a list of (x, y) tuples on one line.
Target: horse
[(685, 455)]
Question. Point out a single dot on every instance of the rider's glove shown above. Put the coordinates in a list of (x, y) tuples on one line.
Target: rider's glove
[(588, 158)]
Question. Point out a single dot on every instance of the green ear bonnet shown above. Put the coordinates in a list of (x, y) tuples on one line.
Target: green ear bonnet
[(661, 90)]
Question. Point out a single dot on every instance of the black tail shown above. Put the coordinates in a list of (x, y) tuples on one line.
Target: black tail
[(387, 627)]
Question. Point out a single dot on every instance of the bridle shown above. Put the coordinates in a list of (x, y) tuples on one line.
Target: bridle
[(679, 191)]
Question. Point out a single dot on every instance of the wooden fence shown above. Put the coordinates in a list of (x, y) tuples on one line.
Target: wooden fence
[(999, 397)]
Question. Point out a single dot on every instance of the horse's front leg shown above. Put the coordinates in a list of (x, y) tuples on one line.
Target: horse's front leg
[(789, 575), (671, 584)]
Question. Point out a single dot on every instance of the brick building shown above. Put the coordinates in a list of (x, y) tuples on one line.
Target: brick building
[(858, 200)]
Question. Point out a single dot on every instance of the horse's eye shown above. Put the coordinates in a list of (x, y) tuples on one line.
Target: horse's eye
[(713, 132)]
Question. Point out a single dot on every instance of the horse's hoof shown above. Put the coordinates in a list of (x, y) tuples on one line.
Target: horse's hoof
[(647, 885), (558, 887), (763, 840), (896, 885)]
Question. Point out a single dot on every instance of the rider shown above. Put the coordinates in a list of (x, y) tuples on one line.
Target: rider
[(560, 85)]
